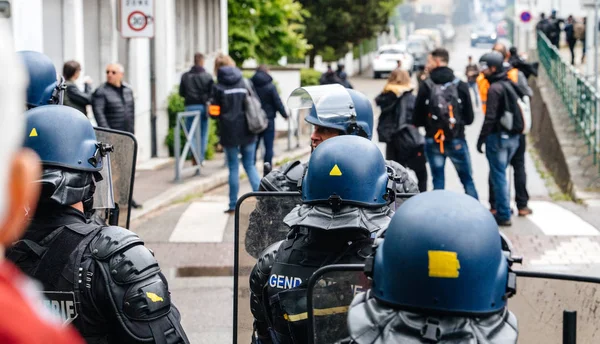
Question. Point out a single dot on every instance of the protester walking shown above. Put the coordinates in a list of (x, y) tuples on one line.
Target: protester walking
[(443, 106), (228, 99), (570, 36), (114, 105), (196, 88), (341, 73), (404, 143), (74, 97), (501, 142), (555, 29), (271, 104), (471, 72), (543, 25)]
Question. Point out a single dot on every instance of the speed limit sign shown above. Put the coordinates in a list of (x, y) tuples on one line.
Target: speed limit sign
[(136, 18)]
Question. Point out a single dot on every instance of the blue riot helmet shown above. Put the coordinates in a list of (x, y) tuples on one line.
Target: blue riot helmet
[(335, 176), (336, 107), (43, 87), (442, 253), (76, 167)]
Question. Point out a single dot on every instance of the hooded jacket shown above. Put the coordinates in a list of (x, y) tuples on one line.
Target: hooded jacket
[(230, 93), (267, 93), (440, 76)]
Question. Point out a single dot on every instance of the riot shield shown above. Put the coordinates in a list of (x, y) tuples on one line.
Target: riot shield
[(258, 224), (121, 171), (541, 301), (331, 290)]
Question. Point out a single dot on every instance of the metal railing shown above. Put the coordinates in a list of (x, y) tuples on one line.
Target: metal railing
[(192, 142), (577, 94)]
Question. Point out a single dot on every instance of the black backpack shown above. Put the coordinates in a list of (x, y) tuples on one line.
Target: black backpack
[(445, 111)]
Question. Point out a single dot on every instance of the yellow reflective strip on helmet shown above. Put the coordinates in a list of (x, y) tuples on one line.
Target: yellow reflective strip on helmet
[(443, 264), (317, 313)]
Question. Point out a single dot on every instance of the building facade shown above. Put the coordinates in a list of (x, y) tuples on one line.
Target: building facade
[(86, 31)]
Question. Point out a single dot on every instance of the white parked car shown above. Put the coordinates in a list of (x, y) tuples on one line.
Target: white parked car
[(387, 59)]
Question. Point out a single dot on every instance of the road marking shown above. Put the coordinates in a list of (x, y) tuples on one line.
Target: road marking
[(553, 219), (201, 222), (575, 251)]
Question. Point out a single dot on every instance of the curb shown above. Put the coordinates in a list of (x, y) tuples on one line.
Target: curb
[(191, 187)]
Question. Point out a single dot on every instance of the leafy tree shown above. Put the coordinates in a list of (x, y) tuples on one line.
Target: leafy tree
[(266, 30), (337, 24)]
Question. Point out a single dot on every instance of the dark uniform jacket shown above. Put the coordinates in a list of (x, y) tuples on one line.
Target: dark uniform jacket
[(440, 76), (230, 94), (114, 107), (123, 295), (196, 86)]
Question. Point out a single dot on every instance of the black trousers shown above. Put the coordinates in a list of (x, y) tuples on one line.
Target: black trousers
[(417, 163), (518, 164), (572, 49)]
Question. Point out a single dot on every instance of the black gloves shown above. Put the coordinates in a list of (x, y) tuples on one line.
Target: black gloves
[(480, 144)]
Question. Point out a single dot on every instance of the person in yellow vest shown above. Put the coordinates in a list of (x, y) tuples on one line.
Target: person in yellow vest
[(518, 160)]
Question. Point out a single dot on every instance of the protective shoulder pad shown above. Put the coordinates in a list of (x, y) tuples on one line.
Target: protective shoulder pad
[(407, 183), (267, 257), (132, 265), (111, 240), (285, 179)]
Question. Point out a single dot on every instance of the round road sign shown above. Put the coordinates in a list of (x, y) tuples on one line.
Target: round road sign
[(137, 21), (525, 16)]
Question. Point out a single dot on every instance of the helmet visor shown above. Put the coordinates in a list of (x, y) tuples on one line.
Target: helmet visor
[(333, 104), (104, 195)]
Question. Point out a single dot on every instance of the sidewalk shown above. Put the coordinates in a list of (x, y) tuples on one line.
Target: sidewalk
[(155, 185)]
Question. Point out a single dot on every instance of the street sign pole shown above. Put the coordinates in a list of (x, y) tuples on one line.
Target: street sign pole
[(596, 44)]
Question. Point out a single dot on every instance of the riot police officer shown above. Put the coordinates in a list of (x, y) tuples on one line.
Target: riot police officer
[(344, 201), (43, 87), (334, 111), (444, 280), (100, 278)]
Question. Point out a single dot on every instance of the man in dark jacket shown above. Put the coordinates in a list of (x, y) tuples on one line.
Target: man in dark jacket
[(554, 32), (113, 102), (196, 88), (271, 104), (341, 73), (447, 143), (330, 77), (229, 95), (500, 145)]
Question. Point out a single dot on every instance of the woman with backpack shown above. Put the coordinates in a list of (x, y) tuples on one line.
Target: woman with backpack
[(228, 107), (404, 143)]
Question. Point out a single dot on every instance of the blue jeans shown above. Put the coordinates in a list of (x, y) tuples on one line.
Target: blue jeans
[(499, 150), (233, 163), (458, 152), (268, 137), (473, 85), (203, 127)]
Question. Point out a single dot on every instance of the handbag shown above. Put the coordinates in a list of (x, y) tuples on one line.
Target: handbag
[(256, 117)]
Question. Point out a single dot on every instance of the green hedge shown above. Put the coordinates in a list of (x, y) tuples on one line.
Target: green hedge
[(175, 105), (309, 77)]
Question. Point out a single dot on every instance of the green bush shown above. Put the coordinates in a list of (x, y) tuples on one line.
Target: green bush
[(176, 104), (309, 77)]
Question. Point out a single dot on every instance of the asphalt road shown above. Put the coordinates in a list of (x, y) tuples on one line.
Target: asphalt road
[(193, 241)]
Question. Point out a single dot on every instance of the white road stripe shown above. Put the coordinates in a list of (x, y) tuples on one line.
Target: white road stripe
[(201, 222), (553, 219)]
